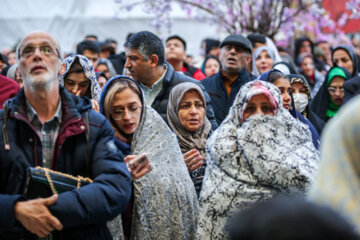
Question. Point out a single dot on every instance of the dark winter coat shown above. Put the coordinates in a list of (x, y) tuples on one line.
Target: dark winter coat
[(220, 99), (82, 212)]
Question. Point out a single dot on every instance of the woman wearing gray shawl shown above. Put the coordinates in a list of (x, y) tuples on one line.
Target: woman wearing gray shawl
[(252, 157), (263, 60), (186, 115), (164, 201), (80, 79)]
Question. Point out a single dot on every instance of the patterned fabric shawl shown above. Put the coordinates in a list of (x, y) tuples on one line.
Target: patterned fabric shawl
[(89, 73), (253, 161), (165, 201), (338, 181)]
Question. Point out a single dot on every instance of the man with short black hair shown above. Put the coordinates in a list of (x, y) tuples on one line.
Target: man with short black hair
[(175, 54), (89, 49), (223, 86), (145, 61)]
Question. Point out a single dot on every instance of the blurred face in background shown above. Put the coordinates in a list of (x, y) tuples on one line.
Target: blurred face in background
[(212, 66), (264, 62), (336, 90), (305, 47), (343, 59), (307, 66)]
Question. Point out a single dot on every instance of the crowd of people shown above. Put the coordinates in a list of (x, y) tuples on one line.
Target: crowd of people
[(248, 141)]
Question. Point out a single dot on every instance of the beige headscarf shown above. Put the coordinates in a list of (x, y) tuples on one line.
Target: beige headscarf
[(338, 182), (187, 140)]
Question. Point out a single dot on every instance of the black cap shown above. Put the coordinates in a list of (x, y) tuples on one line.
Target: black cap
[(238, 40)]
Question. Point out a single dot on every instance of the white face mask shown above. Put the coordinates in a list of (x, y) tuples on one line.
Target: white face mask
[(301, 101)]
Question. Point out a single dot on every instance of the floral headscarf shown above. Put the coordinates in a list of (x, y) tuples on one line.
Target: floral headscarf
[(89, 71)]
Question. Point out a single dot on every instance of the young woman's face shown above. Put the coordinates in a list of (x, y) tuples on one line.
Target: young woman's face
[(343, 59), (258, 104), (191, 111), (307, 65), (298, 87), (264, 62), (336, 90), (103, 68), (211, 67), (77, 83), (284, 85), (126, 110)]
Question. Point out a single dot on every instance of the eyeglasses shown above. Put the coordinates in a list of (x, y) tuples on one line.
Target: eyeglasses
[(44, 51), (119, 114), (332, 90)]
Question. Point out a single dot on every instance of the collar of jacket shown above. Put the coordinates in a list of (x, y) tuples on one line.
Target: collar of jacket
[(71, 123)]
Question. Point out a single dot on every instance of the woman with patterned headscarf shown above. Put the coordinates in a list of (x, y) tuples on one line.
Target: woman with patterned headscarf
[(80, 79), (258, 152)]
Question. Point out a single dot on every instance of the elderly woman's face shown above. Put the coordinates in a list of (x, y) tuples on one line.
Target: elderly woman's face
[(258, 104), (126, 110), (191, 111), (264, 62)]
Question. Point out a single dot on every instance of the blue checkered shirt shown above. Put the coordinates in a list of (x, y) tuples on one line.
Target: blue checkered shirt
[(47, 132)]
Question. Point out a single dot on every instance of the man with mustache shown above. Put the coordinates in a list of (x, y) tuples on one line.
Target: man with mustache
[(46, 126), (223, 87), (145, 62)]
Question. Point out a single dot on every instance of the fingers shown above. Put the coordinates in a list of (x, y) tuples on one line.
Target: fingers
[(192, 151), (95, 105), (193, 160), (78, 93), (50, 200), (128, 158), (140, 171), (54, 222)]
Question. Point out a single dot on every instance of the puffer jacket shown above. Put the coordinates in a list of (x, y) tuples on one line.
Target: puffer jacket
[(171, 79), (82, 212)]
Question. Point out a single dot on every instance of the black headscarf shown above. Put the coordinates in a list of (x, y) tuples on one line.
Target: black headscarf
[(352, 55), (298, 43), (320, 103)]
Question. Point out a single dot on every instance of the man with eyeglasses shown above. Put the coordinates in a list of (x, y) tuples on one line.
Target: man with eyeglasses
[(46, 126), (235, 55)]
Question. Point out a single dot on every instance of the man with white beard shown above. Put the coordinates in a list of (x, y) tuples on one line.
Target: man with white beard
[(46, 126)]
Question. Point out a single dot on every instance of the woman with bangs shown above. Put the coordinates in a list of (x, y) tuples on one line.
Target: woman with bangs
[(164, 204)]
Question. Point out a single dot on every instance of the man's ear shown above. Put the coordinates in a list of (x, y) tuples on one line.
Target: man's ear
[(62, 69), (154, 60)]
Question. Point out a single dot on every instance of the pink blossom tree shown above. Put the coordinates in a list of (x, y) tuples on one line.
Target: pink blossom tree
[(268, 17)]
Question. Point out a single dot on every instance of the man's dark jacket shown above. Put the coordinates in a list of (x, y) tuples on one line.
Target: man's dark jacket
[(171, 79), (220, 99), (82, 212)]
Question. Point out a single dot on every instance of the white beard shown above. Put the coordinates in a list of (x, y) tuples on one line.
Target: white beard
[(46, 81)]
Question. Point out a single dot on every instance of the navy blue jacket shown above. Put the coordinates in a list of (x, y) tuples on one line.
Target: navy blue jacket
[(83, 212), (171, 79), (220, 100)]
